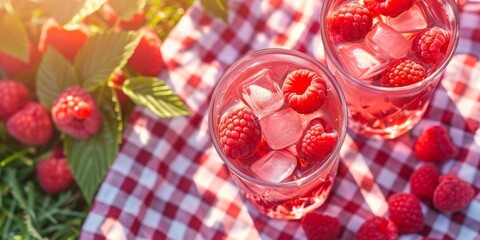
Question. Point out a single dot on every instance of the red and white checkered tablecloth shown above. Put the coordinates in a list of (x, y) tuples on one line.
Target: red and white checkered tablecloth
[(168, 181)]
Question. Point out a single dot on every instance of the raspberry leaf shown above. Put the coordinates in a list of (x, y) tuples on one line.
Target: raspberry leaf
[(90, 159), (126, 9), (102, 55), (88, 8), (54, 75), (61, 12), (16, 44), (217, 8), (154, 94)]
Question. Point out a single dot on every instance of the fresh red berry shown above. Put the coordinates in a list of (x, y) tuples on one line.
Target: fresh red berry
[(424, 181), (147, 58), (431, 45), (402, 72), (54, 175), (31, 125), (135, 22), (434, 145), (13, 96), (108, 14), (76, 114), (12, 65), (240, 133), (118, 78), (405, 211), (350, 22), (390, 8), (66, 41), (317, 142), (452, 194), (377, 228), (318, 226), (304, 91)]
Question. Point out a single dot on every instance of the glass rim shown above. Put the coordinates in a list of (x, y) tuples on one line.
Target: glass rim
[(343, 124), (432, 77)]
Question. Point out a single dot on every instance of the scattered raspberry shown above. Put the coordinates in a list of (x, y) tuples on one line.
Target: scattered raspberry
[(240, 133), (31, 125), (452, 194), (12, 65), (390, 8), (66, 41), (108, 14), (377, 228), (431, 45), (405, 211), (319, 226), (317, 142), (424, 181), (350, 22), (135, 22), (147, 58), (402, 72), (13, 96), (76, 114), (304, 90), (434, 145), (118, 78), (54, 175)]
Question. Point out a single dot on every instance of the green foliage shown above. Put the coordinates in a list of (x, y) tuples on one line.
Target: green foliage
[(16, 44), (155, 95), (126, 9), (217, 8)]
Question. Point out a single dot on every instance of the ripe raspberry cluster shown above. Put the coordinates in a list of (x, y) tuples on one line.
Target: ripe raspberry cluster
[(352, 21)]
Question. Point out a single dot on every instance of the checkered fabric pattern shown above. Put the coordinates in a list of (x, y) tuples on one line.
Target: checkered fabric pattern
[(169, 183)]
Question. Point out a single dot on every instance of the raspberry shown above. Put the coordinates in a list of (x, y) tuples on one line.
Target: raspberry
[(53, 174), (377, 228), (66, 41), (319, 226), (350, 22), (76, 114), (431, 45), (240, 133), (390, 8), (31, 125), (405, 211), (305, 91), (12, 65), (135, 22), (317, 142), (434, 145), (118, 78), (424, 181), (452, 194), (147, 58), (13, 96), (402, 72), (108, 14)]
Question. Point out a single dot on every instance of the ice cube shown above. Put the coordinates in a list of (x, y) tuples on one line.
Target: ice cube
[(275, 166), (412, 20), (280, 71), (386, 39), (360, 60), (282, 129), (261, 93)]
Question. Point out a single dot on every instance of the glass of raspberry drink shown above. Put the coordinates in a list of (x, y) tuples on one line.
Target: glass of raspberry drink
[(278, 119), (388, 56)]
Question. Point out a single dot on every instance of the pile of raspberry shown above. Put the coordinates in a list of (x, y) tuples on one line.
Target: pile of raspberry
[(352, 21), (444, 192)]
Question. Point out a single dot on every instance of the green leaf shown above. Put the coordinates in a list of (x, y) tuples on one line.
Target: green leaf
[(90, 159), (63, 12), (217, 8), (88, 8), (155, 95), (102, 54), (17, 43), (54, 75), (31, 228), (126, 9)]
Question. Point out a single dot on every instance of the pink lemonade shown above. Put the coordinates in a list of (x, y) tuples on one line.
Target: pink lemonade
[(390, 66), (263, 136)]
